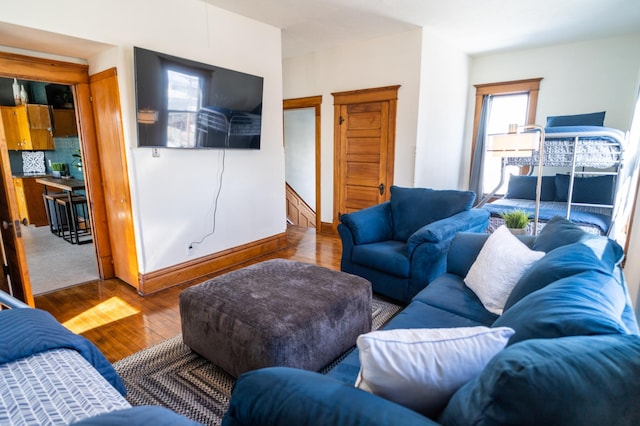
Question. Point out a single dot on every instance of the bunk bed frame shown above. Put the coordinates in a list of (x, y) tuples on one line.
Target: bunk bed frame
[(579, 152)]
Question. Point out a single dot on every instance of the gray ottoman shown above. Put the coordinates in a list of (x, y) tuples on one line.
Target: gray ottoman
[(275, 313)]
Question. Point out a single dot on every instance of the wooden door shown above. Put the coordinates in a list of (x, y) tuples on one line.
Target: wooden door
[(106, 110), (364, 148), (15, 258)]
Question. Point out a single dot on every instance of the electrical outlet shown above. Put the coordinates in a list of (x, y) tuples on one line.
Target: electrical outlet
[(155, 152), (190, 250)]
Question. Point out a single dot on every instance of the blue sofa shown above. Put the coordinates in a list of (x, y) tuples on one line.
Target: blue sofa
[(401, 245), (574, 358)]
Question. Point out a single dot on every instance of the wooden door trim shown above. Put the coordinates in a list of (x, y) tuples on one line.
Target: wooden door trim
[(77, 76), (380, 94), (314, 102)]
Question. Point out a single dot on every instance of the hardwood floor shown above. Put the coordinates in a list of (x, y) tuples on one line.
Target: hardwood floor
[(120, 322)]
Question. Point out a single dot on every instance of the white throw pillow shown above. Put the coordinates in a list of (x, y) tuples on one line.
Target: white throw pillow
[(499, 265), (421, 368)]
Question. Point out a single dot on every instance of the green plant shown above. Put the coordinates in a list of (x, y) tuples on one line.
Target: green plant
[(58, 167), (517, 219)]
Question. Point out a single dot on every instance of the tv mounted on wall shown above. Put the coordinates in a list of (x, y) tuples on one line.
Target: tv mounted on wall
[(186, 104)]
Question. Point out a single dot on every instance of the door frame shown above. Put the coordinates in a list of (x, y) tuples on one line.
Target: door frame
[(314, 102), (379, 94), (77, 76)]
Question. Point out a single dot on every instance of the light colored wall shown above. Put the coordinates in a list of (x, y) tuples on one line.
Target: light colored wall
[(173, 196), (598, 75), (385, 61), (300, 152), (443, 96), (431, 102)]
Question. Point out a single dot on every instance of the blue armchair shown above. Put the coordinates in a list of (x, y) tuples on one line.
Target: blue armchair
[(401, 245)]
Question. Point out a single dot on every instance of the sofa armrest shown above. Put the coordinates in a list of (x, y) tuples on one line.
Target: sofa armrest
[(286, 396), (445, 229), (371, 224)]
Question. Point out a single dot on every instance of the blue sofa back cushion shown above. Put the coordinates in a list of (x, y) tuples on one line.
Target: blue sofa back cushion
[(412, 208), (559, 232), (524, 187), (566, 381), (559, 263), (583, 304), (371, 224), (593, 190), (591, 119)]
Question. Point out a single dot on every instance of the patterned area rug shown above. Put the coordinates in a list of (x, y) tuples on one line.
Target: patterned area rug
[(170, 375)]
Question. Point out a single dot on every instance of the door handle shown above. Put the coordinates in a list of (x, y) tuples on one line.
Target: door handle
[(381, 188)]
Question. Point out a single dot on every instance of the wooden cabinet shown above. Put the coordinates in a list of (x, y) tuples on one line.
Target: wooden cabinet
[(64, 123), (28, 127), (30, 202)]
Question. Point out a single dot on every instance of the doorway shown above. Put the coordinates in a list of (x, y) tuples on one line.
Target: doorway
[(365, 128), (301, 123), (53, 260)]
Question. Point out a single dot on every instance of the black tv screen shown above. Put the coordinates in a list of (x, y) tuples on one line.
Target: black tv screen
[(186, 104)]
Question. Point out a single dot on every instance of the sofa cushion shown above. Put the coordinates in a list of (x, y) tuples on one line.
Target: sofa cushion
[(498, 267), (593, 190), (566, 381), (591, 119), (412, 208), (559, 263), (388, 256), (448, 292), (583, 304), (421, 368), (524, 187), (560, 232)]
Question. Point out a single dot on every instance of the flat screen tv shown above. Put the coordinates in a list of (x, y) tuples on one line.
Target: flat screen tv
[(186, 104)]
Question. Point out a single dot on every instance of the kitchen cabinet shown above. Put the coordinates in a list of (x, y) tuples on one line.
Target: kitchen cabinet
[(28, 127), (64, 123), (30, 202)]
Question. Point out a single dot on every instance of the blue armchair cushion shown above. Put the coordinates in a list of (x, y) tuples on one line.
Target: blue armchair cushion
[(567, 381), (588, 303), (593, 190), (524, 187), (413, 208), (371, 224), (388, 256), (591, 119)]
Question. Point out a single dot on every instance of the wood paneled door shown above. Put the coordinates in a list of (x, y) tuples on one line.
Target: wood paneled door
[(364, 148)]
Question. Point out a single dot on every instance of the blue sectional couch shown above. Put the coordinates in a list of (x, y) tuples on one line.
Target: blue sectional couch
[(573, 359)]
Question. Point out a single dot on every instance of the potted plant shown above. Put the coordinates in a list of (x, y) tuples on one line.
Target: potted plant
[(58, 169), (516, 220)]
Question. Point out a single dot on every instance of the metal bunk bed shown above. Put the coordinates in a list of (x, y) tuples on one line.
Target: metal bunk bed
[(580, 152)]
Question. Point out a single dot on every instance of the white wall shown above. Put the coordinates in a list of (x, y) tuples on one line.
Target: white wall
[(300, 152), (380, 62), (584, 77), (173, 195), (443, 96)]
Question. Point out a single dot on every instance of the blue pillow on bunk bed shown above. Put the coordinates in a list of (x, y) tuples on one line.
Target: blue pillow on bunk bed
[(524, 187), (591, 190), (592, 119)]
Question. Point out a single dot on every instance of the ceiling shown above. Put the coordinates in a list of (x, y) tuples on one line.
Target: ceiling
[(474, 26)]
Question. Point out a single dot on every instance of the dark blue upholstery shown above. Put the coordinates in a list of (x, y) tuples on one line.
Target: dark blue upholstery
[(401, 245), (568, 381), (574, 358), (591, 119)]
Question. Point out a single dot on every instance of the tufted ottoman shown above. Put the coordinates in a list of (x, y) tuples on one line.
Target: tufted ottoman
[(275, 313)]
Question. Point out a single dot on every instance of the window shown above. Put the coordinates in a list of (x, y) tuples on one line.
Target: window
[(512, 102), (184, 99)]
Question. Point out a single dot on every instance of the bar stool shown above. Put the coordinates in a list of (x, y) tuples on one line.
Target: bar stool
[(79, 225), (57, 223)]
